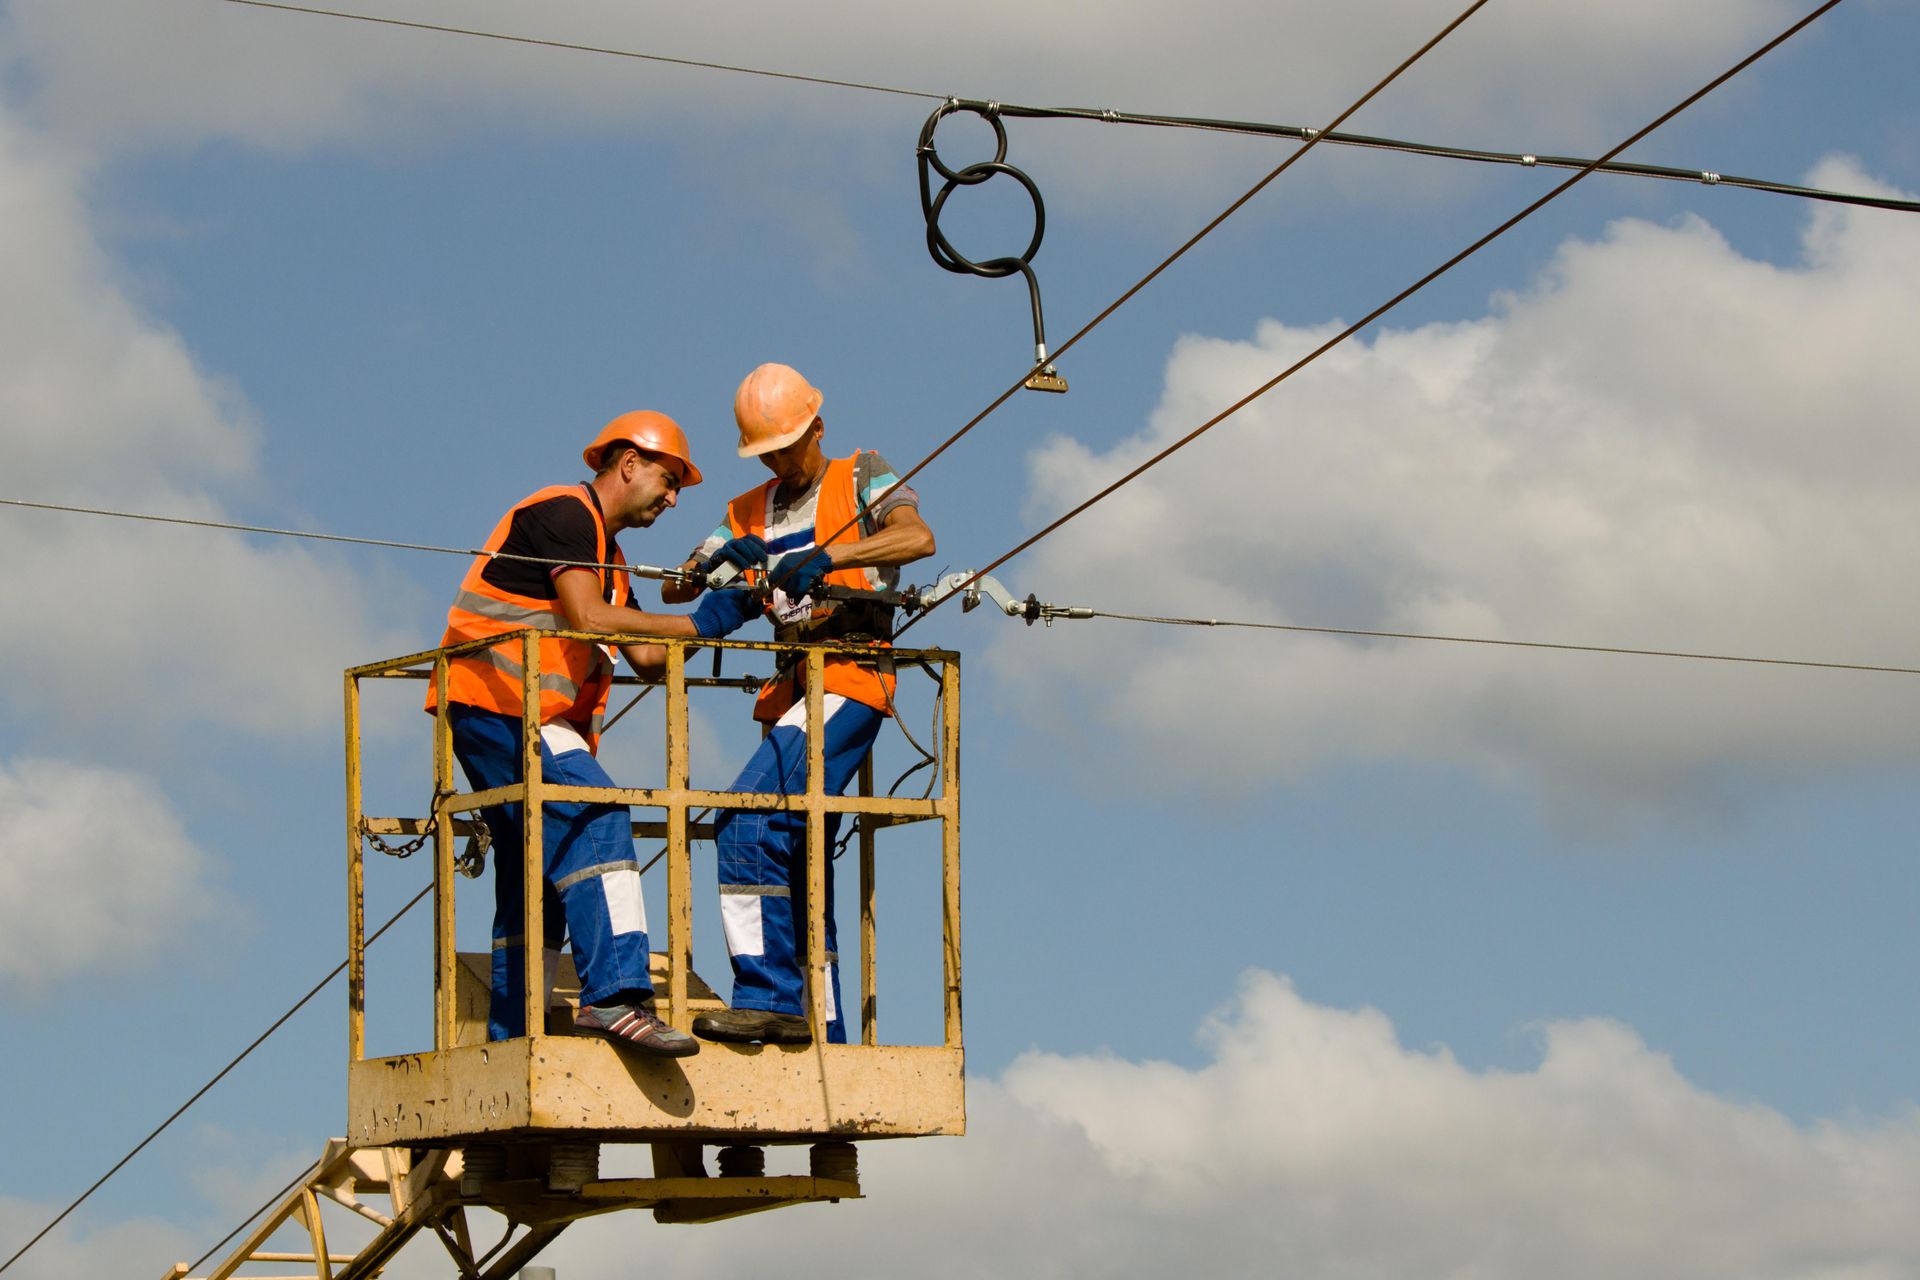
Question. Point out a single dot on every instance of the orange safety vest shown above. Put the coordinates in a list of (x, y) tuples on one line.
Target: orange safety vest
[(575, 675), (838, 512)]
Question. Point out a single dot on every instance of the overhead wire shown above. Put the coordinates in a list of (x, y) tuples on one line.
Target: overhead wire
[(584, 48), (1449, 151), (1110, 115), (1490, 640), (232, 527), (1407, 292), (203, 1089)]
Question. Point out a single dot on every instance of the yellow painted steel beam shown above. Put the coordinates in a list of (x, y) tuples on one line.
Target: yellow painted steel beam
[(533, 862), (818, 961), (356, 885)]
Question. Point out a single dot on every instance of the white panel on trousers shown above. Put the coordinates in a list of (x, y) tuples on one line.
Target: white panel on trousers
[(740, 918), (626, 910), (796, 717), (561, 737)]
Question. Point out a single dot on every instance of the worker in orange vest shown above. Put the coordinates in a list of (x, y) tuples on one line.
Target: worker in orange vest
[(845, 521), (551, 562)]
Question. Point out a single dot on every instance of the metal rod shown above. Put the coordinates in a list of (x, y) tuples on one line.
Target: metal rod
[(533, 868), (950, 846), (679, 855), (817, 851), (356, 885), (444, 959), (869, 998)]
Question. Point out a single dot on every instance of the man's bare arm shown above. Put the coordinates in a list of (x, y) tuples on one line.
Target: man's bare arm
[(902, 538)]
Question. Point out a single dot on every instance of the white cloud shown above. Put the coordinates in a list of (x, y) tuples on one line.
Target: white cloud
[(1314, 1143), (137, 1247), (1659, 444), (96, 873), (106, 407), (126, 71)]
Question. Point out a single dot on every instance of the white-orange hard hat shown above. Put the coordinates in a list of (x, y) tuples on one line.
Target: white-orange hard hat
[(774, 407), (645, 429)]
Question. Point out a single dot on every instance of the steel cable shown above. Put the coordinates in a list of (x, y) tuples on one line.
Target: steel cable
[(231, 527), (1152, 119), (582, 48), (1515, 644), (1445, 151)]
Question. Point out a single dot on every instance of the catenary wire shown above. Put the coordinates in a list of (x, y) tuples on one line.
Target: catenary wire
[(1107, 115), (202, 1091), (231, 527), (1447, 151), (612, 720), (584, 48), (1410, 290), (1515, 644)]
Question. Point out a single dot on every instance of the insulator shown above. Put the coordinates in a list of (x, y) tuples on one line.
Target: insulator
[(480, 1165), (743, 1162), (837, 1160), (573, 1165)]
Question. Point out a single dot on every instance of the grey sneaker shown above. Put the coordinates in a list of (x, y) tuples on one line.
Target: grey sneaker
[(635, 1027), (746, 1026)]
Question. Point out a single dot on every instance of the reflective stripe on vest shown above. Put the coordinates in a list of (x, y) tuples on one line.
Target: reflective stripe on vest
[(575, 675), (837, 511)]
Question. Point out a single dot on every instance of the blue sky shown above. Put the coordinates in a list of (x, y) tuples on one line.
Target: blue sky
[(1512, 952)]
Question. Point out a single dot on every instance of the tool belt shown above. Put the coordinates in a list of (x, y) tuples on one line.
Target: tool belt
[(848, 621), (862, 621)]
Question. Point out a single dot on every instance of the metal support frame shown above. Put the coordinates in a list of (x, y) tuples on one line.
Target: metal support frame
[(455, 812)]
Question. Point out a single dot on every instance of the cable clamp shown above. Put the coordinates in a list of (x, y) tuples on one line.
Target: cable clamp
[(1529, 161), (1709, 178), (1110, 116), (971, 586), (1309, 134)]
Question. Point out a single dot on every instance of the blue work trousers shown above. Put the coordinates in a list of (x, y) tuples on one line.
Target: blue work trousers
[(763, 863), (592, 877)]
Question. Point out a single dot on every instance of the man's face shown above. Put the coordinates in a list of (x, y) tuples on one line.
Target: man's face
[(790, 463), (652, 486)]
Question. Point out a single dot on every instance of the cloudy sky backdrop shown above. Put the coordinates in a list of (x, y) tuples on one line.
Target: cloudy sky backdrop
[(1286, 953)]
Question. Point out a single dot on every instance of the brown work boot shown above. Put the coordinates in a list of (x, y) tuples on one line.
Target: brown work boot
[(748, 1026), (635, 1027)]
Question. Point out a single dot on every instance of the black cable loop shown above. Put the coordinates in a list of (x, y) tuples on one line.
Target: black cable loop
[(940, 248)]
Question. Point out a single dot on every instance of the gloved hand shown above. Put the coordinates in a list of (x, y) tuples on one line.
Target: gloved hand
[(721, 613), (798, 572), (745, 552)]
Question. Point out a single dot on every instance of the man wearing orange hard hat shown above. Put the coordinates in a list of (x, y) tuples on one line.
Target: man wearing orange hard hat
[(842, 521), (550, 563)]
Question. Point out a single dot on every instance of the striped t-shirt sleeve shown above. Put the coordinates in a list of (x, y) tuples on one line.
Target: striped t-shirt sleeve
[(715, 540), (872, 476)]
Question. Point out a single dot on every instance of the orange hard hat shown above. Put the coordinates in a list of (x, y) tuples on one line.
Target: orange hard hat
[(654, 432), (774, 407)]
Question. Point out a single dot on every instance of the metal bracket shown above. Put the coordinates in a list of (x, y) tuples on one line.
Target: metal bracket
[(972, 586)]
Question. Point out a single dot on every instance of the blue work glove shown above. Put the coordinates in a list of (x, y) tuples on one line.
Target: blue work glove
[(798, 572), (721, 613), (745, 552)]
